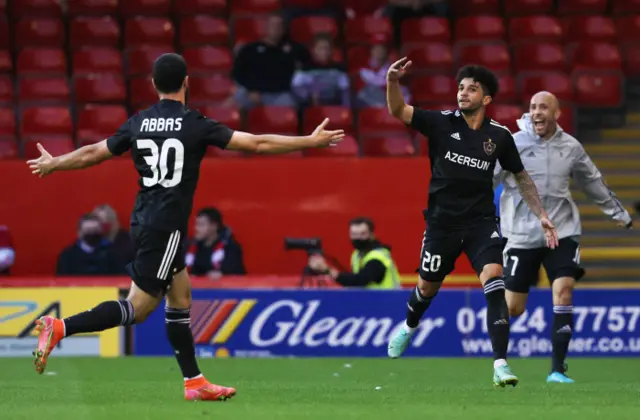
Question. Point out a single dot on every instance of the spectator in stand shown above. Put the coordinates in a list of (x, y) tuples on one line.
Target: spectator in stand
[(264, 69), (322, 81), (214, 251), (399, 10), (91, 255), (374, 75), (7, 253), (115, 234)]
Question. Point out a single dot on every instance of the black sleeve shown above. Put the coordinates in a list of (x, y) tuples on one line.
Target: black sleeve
[(510, 157), (233, 262), (65, 263), (425, 120), (215, 133), (242, 67), (372, 272), (120, 142)]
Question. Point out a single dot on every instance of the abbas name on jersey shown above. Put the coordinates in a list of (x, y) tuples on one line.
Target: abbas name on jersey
[(150, 125), (471, 162)]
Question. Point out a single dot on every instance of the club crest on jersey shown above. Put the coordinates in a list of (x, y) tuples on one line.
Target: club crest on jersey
[(489, 147)]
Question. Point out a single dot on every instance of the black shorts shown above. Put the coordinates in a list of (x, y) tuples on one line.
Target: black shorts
[(158, 256), (441, 247), (522, 266)]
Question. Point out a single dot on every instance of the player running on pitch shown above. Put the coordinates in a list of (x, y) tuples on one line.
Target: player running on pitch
[(552, 157), (167, 143), (464, 146)]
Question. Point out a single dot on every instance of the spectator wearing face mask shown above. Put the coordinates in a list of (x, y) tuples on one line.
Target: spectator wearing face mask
[(371, 263), (91, 254), (119, 238), (214, 251)]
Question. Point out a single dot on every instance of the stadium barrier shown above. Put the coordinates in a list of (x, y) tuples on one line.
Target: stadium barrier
[(273, 317)]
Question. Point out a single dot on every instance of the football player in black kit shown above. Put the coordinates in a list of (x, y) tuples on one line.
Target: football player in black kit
[(464, 146), (167, 143)]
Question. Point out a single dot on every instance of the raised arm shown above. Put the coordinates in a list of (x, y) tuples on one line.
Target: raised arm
[(395, 101), (274, 144), (81, 158)]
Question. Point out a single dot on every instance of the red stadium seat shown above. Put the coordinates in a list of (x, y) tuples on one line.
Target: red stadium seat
[(204, 60), (346, 148), (216, 152), (537, 28), (558, 83), (142, 93), (475, 7), (566, 119), (211, 89), (480, 28), (243, 7), (272, 119), (6, 64), (630, 27), (246, 30), (374, 122), (54, 90), (631, 60), (506, 90), (139, 60), (203, 30), (32, 8), (596, 55), (539, 57), (55, 146), (340, 117), (3, 7), (390, 146), (528, 7), (357, 56), (574, 7), (307, 4), (361, 30), (7, 123), (92, 7), (204, 7), (358, 8), (506, 115), (589, 28), (494, 56), (426, 29), (39, 32), (97, 122), (8, 148), (97, 60), (42, 61), (225, 115), (131, 8), (433, 89), (46, 121), (304, 29), (148, 31), (621, 7), (102, 88), (6, 89), (5, 38), (598, 90), (94, 31), (433, 57)]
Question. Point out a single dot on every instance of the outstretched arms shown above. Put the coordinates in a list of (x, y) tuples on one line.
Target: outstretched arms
[(81, 158)]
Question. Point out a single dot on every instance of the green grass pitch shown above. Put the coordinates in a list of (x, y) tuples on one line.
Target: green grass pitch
[(333, 389)]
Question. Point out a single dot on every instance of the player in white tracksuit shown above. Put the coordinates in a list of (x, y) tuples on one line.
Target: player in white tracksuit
[(552, 157)]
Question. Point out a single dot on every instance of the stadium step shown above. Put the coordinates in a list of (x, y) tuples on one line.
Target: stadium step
[(594, 210), (616, 165), (611, 240), (626, 195), (621, 149), (610, 253)]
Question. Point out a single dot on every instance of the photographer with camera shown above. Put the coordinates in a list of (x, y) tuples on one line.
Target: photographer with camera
[(371, 263)]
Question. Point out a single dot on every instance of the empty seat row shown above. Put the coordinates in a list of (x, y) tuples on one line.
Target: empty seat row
[(208, 30)]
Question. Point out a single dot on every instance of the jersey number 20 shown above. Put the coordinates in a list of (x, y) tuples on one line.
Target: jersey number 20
[(158, 161)]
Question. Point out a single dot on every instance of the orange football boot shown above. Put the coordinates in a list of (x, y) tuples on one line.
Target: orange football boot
[(199, 389), (51, 332)]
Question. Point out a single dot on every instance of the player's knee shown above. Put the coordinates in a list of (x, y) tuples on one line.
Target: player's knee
[(428, 288), (143, 303), (516, 309), (490, 271), (516, 302), (181, 302), (563, 291)]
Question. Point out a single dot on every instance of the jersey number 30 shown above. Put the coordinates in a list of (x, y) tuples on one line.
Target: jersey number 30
[(158, 161)]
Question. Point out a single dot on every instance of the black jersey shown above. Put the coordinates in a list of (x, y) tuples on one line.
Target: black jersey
[(167, 143), (462, 165)]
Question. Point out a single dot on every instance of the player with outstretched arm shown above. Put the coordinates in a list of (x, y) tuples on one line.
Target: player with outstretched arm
[(552, 157), (464, 146), (167, 142)]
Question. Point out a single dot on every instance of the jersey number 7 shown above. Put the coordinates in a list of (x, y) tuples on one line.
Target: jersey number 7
[(158, 162)]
